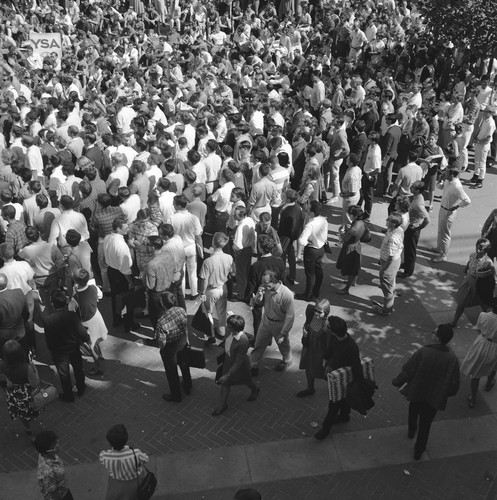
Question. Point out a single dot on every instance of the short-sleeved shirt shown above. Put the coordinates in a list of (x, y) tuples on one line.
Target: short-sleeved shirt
[(216, 268)]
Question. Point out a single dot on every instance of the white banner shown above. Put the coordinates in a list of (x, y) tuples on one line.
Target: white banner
[(45, 44)]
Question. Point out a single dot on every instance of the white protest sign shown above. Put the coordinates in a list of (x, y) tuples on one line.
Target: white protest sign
[(45, 44)]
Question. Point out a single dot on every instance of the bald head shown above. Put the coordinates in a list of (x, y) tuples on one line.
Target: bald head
[(3, 281)]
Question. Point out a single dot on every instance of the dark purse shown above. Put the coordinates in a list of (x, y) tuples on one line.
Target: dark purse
[(146, 488), (201, 321), (360, 395), (366, 236)]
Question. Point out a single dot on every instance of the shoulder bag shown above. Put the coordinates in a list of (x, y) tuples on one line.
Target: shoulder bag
[(43, 395), (146, 487)]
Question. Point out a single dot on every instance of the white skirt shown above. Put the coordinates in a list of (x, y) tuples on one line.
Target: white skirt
[(96, 328)]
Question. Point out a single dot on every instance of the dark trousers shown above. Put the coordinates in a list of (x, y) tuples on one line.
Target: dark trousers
[(421, 416), (385, 178), (289, 253), (155, 308), (391, 205), (367, 192), (313, 268), (220, 221), (275, 216), (334, 409), (243, 259), (411, 238), (257, 318), (122, 296), (62, 362), (172, 358)]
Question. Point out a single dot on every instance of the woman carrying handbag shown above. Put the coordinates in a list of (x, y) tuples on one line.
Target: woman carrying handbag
[(125, 465)]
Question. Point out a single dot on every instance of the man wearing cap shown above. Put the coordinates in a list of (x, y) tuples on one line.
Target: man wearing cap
[(428, 379), (482, 140)]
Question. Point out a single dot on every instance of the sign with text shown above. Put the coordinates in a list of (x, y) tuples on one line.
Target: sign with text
[(45, 44)]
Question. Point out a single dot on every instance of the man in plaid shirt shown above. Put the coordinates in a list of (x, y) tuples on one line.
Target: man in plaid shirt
[(15, 230), (170, 332), (390, 257)]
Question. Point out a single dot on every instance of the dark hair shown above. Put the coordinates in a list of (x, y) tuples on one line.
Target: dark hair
[(356, 211), (9, 212), (13, 353), (117, 436), (32, 234), (169, 300), (66, 202), (104, 200), (181, 201), (59, 299), (338, 326), (444, 333), (118, 222), (236, 323), (41, 200), (45, 441), (73, 237), (316, 207), (247, 494), (266, 243), (166, 230)]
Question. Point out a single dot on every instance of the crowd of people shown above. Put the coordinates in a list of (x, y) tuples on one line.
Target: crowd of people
[(195, 146)]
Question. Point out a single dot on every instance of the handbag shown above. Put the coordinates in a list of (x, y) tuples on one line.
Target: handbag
[(43, 395), (360, 395), (201, 321), (85, 349), (193, 356), (339, 380), (366, 235), (148, 484)]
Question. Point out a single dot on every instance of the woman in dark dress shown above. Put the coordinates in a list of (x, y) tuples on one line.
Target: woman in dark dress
[(349, 259), (19, 378), (314, 344), (489, 231), (236, 366)]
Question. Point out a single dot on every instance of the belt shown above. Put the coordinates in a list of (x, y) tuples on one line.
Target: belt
[(444, 207), (273, 320)]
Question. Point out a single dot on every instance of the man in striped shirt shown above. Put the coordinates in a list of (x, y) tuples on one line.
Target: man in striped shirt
[(281, 177)]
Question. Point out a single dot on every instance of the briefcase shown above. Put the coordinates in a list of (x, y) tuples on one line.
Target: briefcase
[(194, 356), (338, 380)]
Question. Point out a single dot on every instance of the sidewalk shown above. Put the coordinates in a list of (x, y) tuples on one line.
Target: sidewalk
[(192, 475)]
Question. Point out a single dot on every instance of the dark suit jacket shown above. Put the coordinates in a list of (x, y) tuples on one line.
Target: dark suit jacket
[(390, 142), (298, 161), (257, 270), (96, 156), (237, 363), (13, 312), (291, 222)]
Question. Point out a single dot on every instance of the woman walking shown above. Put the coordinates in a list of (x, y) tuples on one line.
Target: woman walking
[(314, 342), (236, 365)]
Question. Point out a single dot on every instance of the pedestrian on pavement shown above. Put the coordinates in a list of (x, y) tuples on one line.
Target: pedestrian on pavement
[(481, 358), (482, 140), (64, 334), (418, 219), (312, 240), (171, 333), (341, 351), (428, 379), (236, 365), (349, 259), (51, 473), (479, 281), (19, 377), (489, 231), (213, 277), (124, 465), (390, 257), (453, 197), (277, 321), (314, 344)]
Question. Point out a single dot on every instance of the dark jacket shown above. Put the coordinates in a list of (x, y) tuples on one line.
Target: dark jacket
[(237, 364), (341, 353), (291, 222), (432, 376), (64, 331), (390, 142), (13, 313), (257, 270)]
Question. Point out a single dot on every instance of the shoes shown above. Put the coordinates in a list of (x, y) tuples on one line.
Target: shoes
[(191, 297), (254, 372), (473, 179), (343, 291), (441, 258), (380, 310), (218, 411), (434, 250), (490, 383), (81, 390), (171, 398), (218, 335), (429, 208), (290, 281), (302, 296), (133, 327), (342, 419), (254, 394), (403, 275), (66, 399), (282, 366), (95, 373), (187, 389), (321, 434), (471, 402), (479, 184), (305, 393)]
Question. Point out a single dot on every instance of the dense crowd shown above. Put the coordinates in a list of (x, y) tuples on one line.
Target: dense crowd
[(195, 146)]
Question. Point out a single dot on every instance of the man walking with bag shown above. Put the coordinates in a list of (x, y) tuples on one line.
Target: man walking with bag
[(430, 377)]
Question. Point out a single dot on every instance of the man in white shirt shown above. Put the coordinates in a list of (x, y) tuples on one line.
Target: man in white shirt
[(371, 170), (221, 200), (312, 240), (118, 258), (243, 248), (187, 226), (68, 219), (130, 203), (70, 186), (212, 163), (482, 144), (453, 197), (125, 115), (33, 160), (119, 175), (166, 198)]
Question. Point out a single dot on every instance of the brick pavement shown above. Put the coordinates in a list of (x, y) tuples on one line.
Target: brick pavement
[(134, 379)]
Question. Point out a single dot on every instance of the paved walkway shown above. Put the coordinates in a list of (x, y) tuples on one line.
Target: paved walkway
[(277, 422)]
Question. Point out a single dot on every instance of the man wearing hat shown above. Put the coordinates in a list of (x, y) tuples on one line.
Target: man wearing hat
[(483, 138), (428, 379)]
